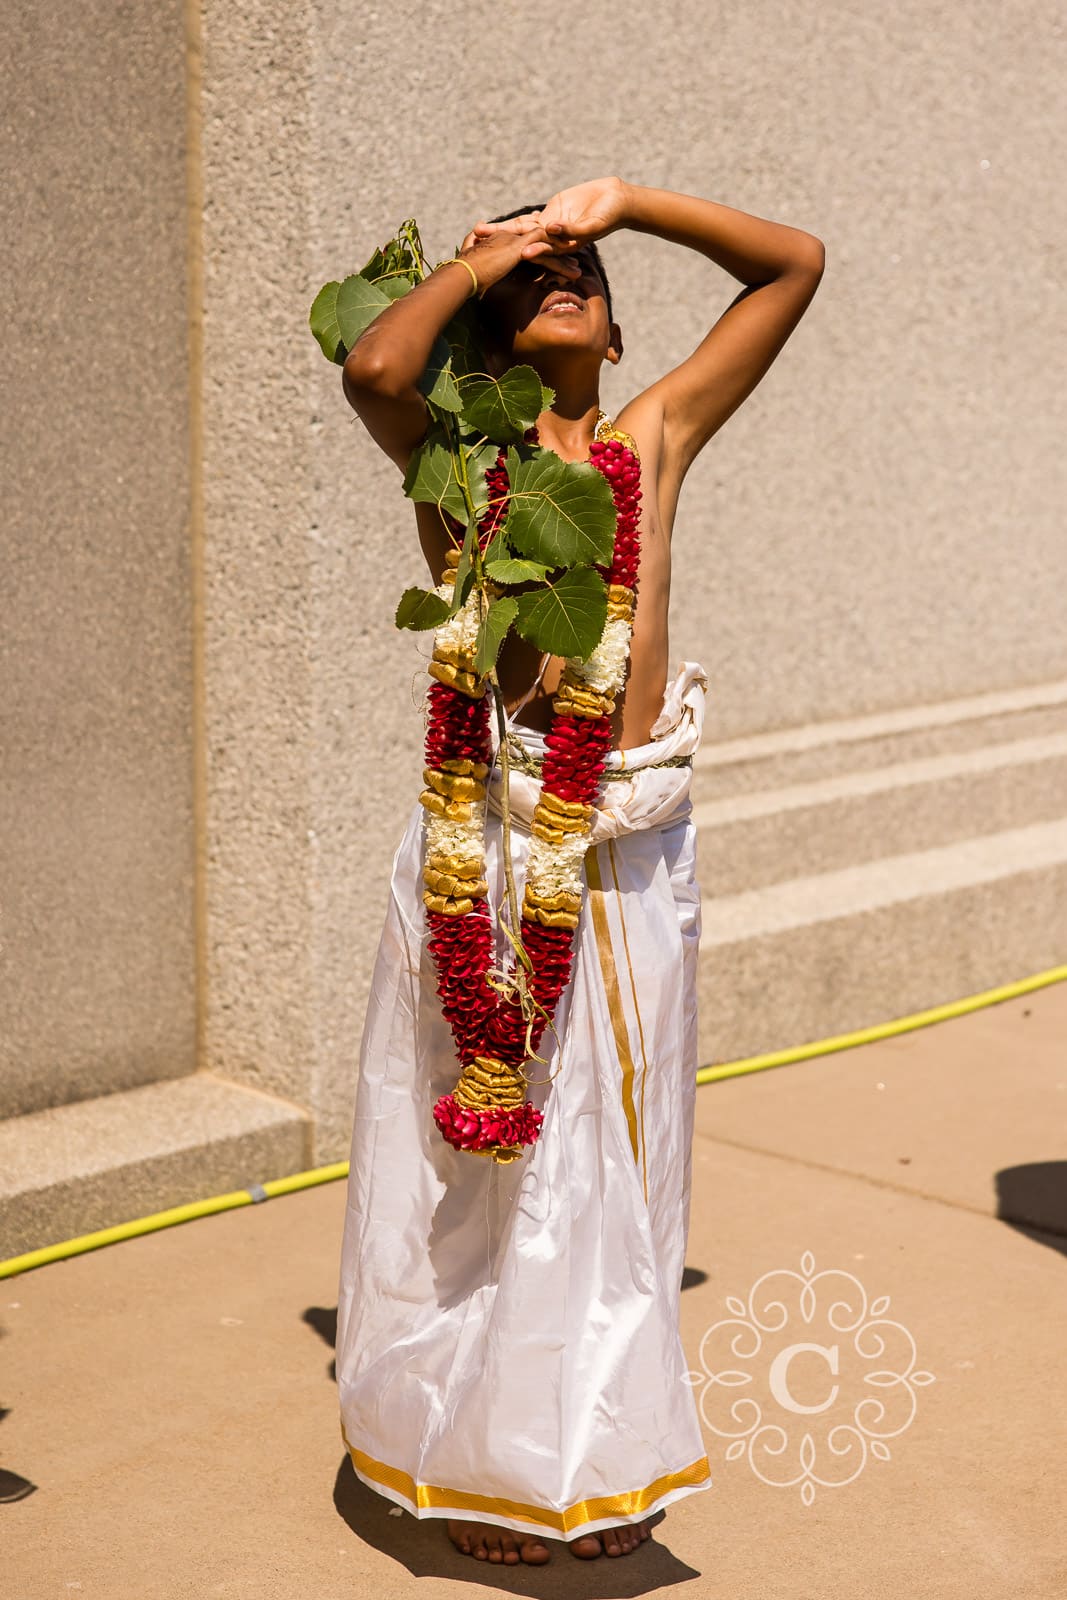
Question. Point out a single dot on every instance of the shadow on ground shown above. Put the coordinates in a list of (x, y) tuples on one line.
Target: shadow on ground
[(1032, 1199), (12, 1485)]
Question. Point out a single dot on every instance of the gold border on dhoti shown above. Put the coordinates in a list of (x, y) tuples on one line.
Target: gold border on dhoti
[(433, 1496)]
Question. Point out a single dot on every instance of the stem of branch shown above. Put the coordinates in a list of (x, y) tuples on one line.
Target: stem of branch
[(514, 932), (505, 817)]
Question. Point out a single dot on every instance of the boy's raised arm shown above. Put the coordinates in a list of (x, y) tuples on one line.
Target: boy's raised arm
[(780, 267), (382, 370), (384, 365)]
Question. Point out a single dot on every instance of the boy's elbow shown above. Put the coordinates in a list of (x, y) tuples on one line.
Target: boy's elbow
[(364, 372), (812, 255), (367, 379)]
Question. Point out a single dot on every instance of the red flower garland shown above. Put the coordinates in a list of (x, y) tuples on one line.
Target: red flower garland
[(485, 1025)]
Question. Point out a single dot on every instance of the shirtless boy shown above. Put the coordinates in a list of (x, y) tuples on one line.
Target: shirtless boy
[(545, 303)]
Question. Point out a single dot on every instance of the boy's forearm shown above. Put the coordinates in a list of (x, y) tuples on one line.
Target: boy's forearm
[(391, 356), (753, 250)]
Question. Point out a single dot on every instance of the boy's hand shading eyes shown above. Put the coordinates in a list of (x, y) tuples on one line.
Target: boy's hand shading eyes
[(494, 249)]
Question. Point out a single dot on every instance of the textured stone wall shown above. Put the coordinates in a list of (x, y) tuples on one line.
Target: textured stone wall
[(96, 827), (879, 525)]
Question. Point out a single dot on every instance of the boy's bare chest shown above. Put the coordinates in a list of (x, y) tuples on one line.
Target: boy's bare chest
[(526, 678)]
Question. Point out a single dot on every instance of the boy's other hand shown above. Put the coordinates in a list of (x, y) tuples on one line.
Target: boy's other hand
[(587, 211)]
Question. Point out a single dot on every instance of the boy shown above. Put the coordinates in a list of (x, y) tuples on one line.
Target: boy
[(508, 1347)]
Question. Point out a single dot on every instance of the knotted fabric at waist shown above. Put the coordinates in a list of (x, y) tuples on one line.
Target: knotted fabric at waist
[(647, 787)]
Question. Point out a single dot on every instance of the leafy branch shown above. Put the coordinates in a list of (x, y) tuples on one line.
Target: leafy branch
[(538, 577)]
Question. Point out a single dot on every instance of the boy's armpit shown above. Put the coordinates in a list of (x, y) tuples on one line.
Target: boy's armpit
[(700, 394)]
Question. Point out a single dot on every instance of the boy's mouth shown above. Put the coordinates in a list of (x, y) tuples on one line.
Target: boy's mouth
[(561, 303)]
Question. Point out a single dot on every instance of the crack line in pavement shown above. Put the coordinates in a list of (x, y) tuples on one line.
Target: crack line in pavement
[(1052, 1228)]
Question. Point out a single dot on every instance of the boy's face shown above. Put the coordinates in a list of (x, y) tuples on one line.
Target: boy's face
[(536, 311)]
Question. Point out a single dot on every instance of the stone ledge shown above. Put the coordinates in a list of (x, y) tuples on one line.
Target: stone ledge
[(95, 1163), (813, 751), (813, 957), (837, 822)]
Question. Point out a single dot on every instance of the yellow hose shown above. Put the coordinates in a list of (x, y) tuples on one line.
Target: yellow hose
[(339, 1169), (167, 1219)]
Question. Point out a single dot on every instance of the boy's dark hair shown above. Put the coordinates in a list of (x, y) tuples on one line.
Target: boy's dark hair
[(593, 251)]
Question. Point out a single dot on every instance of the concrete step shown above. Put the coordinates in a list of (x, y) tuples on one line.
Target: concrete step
[(808, 957), (751, 839), (791, 756), (76, 1168)]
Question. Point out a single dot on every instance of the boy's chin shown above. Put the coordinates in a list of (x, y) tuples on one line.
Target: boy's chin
[(558, 340)]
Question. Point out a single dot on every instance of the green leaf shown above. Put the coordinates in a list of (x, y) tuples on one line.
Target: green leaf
[(407, 246), (462, 334), (420, 609), (479, 460), (560, 512), (377, 265), (497, 549), (547, 397), (437, 382), (493, 627), (394, 287), (323, 320), (513, 571), (503, 408), (465, 570), (402, 253), (565, 618), (431, 477), (358, 303)]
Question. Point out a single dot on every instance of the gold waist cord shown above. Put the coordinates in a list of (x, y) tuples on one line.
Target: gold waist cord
[(531, 765)]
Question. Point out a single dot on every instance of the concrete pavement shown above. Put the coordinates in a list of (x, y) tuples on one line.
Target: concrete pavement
[(172, 1398)]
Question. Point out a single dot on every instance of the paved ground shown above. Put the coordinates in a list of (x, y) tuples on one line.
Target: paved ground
[(172, 1398)]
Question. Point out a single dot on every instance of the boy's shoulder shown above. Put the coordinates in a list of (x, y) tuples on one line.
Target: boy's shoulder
[(641, 419)]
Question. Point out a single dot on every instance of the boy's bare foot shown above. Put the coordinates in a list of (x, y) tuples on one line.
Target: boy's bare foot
[(486, 1541), (618, 1541)]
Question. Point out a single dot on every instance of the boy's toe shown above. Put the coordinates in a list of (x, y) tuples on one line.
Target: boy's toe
[(535, 1552)]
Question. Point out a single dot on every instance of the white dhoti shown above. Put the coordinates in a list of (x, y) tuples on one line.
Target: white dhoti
[(508, 1347)]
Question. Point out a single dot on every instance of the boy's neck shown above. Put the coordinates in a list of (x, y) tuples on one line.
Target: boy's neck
[(567, 427)]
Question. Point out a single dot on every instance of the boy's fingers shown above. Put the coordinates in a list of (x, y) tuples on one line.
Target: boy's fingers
[(527, 223), (542, 251), (557, 264), (554, 247)]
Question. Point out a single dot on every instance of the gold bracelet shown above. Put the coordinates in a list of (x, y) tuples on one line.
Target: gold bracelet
[(476, 287)]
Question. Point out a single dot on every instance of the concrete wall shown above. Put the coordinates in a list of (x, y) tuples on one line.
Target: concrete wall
[(96, 829), (878, 526), (881, 523)]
